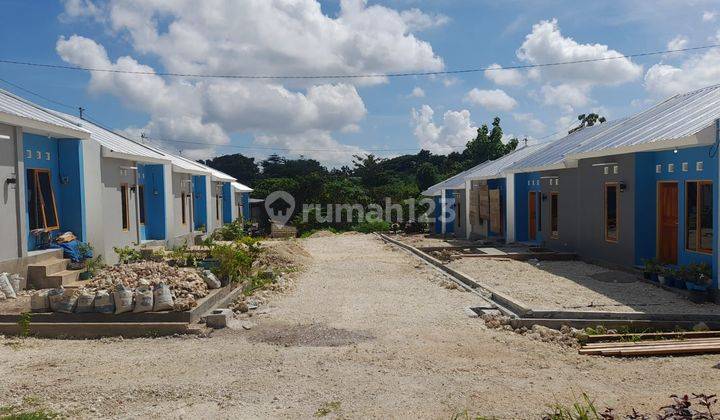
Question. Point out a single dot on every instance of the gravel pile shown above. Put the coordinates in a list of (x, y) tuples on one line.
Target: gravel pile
[(186, 284), (566, 336)]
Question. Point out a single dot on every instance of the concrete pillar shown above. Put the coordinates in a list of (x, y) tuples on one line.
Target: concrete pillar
[(510, 207), (20, 188), (468, 227), (169, 202), (233, 205), (209, 201)]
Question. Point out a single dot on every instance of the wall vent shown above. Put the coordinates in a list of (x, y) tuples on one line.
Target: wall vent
[(615, 169), (28, 154), (658, 169), (699, 166), (671, 167), (684, 166), (38, 155), (606, 170)]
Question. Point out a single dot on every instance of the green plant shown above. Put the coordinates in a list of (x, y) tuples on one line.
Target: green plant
[(230, 232), (327, 408), (652, 266), (698, 273), (86, 250), (127, 254), (24, 324), (580, 410), (372, 226), (233, 261), (94, 264)]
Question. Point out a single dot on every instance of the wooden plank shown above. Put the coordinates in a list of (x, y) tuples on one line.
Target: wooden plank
[(620, 337), (483, 202), (652, 350), (650, 343), (495, 211)]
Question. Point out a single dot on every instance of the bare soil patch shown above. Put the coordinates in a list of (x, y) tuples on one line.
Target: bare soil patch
[(313, 335), (577, 286)]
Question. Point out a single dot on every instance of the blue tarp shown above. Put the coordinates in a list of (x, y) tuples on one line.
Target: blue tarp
[(72, 250)]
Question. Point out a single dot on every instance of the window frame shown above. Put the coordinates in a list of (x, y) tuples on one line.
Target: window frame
[(554, 230), (183, 208), (125, 208), (698, 219), (41, 198), (217, 207), (616, 185)]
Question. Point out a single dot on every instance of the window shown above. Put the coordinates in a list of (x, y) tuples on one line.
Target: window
[(183, 204), (699, 216), (124, 206), (554, 215), (141, 197), (42, 208), (611, 212)]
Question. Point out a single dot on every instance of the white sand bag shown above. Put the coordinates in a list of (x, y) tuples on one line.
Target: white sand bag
[(210, 279), (104, 303), (39, 302), (2, 296), (123, 297), (55, 296), (163, 300), (85, 302), (143, 298), (68, 302), (15, 281), (6, 287)]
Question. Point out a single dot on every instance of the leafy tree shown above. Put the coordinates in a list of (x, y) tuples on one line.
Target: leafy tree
[(587, 120), (426, 175)]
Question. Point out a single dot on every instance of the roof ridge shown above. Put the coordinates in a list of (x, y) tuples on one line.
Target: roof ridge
[(36, 106)]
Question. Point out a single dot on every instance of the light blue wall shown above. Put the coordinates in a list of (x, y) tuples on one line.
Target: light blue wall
[(152, 177), (199, 201), (524, 183), (646, 193), (63, 157), (227, 202)]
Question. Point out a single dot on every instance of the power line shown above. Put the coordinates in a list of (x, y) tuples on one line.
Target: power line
[(352, 76), (9, 83)]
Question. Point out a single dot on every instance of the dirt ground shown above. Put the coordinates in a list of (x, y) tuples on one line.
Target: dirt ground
[(576, 286), (423, 240), (367, 331)]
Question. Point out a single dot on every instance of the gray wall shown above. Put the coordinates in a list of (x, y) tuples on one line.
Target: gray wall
[(114, 234), (181, 232), (590, 210), (568, 214), (460, 224), (215, 190), (9, 246), (94, 207)]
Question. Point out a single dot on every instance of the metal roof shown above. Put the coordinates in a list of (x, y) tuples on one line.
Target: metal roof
[(240, 187), (115, 145), (671, 123), (455, 182), (500, 166), (15, 110)]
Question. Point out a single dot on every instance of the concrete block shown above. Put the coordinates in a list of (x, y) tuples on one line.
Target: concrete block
[(218, 318)]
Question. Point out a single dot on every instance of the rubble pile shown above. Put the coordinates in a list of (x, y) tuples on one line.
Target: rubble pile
[(566, 336), (186, 284)]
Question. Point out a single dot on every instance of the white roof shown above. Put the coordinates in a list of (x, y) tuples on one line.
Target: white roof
[(240, 187), (455, 182), (217, 175), (15, 110), (115, 145), (499, 167)]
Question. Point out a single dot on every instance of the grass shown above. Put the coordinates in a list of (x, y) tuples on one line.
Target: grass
[(20, 413), (327, 408), (580, 410)]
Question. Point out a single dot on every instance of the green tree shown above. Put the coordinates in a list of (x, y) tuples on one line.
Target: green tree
[(587, 120), (426, 175)]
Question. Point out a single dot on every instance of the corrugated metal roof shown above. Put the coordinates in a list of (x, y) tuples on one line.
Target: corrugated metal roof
[(499, 167), (221, 176), (19, 107), (678, 117), (455, 182), (240, 187), (116, 143)]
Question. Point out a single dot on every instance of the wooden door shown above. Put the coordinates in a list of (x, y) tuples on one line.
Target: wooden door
[(668, 222), (532, 215)]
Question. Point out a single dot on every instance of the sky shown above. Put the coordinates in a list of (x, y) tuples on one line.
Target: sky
[(333, 119)]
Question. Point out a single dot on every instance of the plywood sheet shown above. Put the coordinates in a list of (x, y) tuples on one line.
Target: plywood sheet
[(483, 202), (495, 211)]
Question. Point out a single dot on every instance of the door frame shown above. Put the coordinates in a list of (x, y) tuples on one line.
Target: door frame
[(532, 202), (657, 215)]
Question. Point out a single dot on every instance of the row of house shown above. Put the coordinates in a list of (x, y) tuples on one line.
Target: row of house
[(620, 192), (61, 173)]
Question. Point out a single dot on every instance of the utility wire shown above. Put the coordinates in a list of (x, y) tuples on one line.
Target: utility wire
[(352, 76), (9, 83)]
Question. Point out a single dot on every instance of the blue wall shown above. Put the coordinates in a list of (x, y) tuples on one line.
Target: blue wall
[(646, 197), (437, 214), (152, 178), (63, 158), (524, 183), (199, 202), (227, 205)]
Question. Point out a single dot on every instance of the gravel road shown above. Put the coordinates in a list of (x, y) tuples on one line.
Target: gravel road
[(367, 331)]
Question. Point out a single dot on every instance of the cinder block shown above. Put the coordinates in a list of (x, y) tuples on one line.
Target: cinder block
[(218, 318)]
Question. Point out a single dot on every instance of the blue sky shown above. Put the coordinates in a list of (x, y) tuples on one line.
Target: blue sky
[(332, 119)]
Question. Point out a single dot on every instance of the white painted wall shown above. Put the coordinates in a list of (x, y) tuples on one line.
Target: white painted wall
[(180, 233), (10, 247), (112, 178)]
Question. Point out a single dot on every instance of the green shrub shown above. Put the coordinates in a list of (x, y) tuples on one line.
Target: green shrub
[(235, 260), (230, 232), (373, 226), (127, 254)]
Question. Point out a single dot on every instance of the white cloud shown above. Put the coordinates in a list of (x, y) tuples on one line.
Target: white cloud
[(695, 72), (709, 16), (318, 144), (494, 100), (530, 121), (504, 77), (250, 37), (566, 96), (677, 43), (80, 9), (417, 92), (546, 44), (452, 135)]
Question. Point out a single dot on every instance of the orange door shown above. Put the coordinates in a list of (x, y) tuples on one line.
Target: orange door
[(532, 214), (668, 222)]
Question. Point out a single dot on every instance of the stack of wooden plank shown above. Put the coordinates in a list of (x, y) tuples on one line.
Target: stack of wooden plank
[(653, 344)]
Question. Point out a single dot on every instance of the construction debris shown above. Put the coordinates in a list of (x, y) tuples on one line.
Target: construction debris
[(672, 347)]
